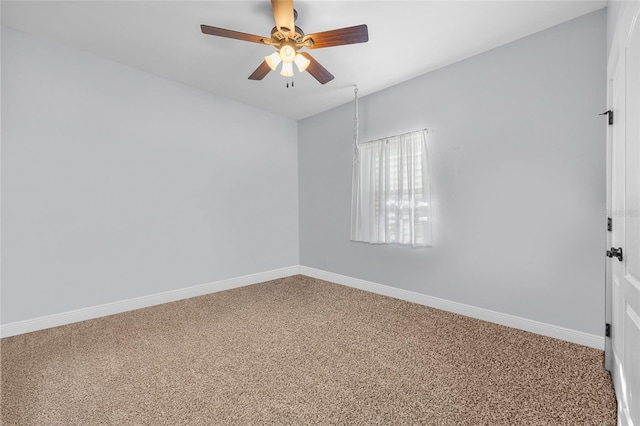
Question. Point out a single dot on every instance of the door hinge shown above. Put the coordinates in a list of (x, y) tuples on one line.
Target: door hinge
[(609, 224), (610, 114), (607, 330)]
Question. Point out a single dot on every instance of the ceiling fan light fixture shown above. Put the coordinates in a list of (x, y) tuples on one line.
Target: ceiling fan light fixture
[(273, 60), (287, 69), (287, 53), (301, 62), (287, 39)]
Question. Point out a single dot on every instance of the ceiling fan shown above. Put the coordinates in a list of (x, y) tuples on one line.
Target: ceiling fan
[(288, 39)]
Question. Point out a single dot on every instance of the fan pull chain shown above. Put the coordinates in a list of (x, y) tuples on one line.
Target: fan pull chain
[(356, 126), (291, 82)]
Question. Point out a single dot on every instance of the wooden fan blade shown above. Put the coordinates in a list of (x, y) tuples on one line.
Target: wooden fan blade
[(283, 15), (339, 37), (260, 72), (318, 72), (221, 32)]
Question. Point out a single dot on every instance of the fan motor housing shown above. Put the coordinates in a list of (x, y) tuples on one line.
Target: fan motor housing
[(278, 36)]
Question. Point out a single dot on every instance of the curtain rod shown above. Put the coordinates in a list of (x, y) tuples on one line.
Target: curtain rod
[(400, 134)]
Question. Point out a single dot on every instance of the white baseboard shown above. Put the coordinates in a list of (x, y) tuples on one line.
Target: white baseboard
[(41, 323), (566, 334), (55, 320)]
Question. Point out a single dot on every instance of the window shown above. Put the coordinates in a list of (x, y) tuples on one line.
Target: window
[(390, 198)]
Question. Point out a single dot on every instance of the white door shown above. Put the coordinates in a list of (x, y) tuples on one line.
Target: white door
[(624, 193)]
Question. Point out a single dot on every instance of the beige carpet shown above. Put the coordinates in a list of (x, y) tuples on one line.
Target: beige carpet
[(299, 351)]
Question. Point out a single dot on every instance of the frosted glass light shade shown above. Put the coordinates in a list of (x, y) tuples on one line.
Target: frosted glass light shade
[(287, 53), (273, 60), (301, 62), (287, 69)]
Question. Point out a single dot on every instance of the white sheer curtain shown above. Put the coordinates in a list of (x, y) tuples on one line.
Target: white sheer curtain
[(391, 201)]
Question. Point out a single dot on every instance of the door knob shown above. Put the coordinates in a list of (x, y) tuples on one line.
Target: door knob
[(615, 252)]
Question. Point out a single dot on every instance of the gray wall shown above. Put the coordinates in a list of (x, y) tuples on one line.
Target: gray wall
[(518, 179), (117, 183)]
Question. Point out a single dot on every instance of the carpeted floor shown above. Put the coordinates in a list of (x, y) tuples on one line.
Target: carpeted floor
[(299, 351)]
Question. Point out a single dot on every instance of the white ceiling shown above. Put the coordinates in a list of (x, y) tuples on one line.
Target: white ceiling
[(406, 39)]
